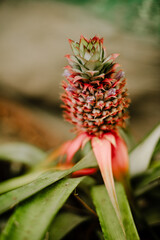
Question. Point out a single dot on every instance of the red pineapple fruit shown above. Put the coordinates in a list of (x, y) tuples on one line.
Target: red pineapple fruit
[(95, 100)]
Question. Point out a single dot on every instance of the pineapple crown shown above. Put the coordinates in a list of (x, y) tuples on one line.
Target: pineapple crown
[(89, 50), (89, 59), (95, 100)]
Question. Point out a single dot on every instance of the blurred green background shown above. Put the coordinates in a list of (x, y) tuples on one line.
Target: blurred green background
[(33, 42), (141, 16)]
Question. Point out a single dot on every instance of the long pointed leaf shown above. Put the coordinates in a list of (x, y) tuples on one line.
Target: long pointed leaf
[(66, 221), (19, 181), (32, 218), (109, 221), (102, 151), (21, 152), (128, 223), (141, 155), (147, 181), (12, 198)]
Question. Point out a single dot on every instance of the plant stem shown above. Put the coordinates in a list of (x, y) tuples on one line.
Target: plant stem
[(85, 205)]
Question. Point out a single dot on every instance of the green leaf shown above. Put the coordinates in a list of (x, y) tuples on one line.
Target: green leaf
[(32, 218), (12, 198), (141, 155), (107, 216), (75, 48), (110, 224), (89, 161), (147, 181), (100, 235), (19, 181), (21, 152), (66, 221), (129, 226)]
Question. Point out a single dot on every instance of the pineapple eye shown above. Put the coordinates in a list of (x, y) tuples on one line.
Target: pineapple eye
[(111, 91)]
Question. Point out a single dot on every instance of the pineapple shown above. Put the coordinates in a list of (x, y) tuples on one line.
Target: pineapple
[(95, 97), (95, 102)]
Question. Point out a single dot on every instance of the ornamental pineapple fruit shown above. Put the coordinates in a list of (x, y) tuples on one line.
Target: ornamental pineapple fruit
[(95, 100)]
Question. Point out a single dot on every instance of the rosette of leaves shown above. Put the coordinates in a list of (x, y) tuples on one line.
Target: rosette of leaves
[(39, 201)]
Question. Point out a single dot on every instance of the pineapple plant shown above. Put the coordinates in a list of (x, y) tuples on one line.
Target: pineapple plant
[(96, 102), (55, 198)]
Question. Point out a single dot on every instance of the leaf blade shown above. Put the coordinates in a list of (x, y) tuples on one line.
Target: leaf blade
[(102, 151), (147, 181), (141, 155), (39, 212), (12, 198), (66, 221), (128, 223), (110, 224), (107, 216), (19, 181), (21, 152)]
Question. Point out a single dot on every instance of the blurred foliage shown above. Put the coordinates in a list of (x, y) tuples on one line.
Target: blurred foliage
[(139, 16), (142, 16), (134, 15), (43, 197)]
